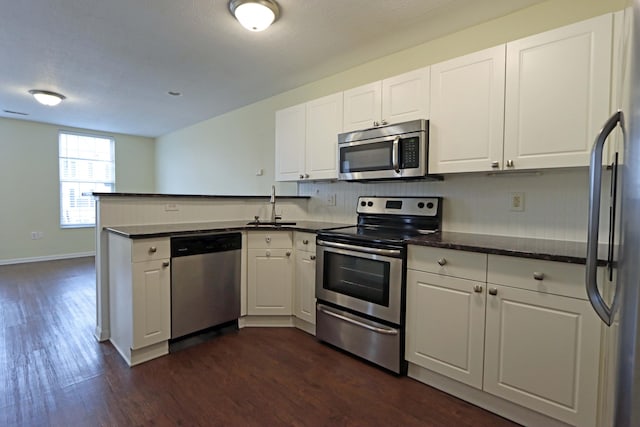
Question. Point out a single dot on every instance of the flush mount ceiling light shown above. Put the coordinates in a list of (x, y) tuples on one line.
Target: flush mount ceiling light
[(46, 97), (255, 15)]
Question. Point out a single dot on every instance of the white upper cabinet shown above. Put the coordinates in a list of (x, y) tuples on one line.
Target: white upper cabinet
[(557, 94), (393, 100), (466, 127), (290, 141), (538, 105), (324, 123), (363, 106), (307, 138)]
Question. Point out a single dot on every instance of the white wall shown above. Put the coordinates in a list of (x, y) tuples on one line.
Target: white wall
[(29, 189), (556, 202), (222, 154)]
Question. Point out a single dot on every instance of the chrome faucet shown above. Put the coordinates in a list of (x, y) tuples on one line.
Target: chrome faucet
[(274, 217)]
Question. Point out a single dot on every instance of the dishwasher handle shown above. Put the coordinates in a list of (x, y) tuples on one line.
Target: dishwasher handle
[(204, 244)]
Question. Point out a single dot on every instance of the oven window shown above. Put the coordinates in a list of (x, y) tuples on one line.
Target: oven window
[(361, 278), (367, 157)]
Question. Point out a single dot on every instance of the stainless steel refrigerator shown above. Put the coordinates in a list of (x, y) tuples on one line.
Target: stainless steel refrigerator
[(617, 301)]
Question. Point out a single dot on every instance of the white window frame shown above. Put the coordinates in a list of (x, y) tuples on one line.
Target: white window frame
[(82, 198)]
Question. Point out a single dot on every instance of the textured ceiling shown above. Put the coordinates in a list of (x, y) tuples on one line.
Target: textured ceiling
[(115, 60)]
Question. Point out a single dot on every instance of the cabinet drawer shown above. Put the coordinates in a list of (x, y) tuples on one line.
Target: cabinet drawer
[(551, 277), (305, 242), (150, 249), (269, 239), (449, 262)]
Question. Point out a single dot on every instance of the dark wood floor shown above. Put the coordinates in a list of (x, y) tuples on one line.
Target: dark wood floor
[(53, 372)]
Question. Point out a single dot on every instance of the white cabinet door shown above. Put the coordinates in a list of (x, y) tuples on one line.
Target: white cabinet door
[(542, 352), (290, 143), (269, 281), (305, 295), (445, 325), (363, 106), (406, 97), (557, 94), (151, 294), (324, 123), (466, 125)]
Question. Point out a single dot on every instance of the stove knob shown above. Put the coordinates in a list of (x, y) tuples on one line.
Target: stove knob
[(363, 203), (430, 205), (421, 205), (369, 204)]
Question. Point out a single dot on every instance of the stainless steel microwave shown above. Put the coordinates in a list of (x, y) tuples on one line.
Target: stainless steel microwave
[(386, 152)]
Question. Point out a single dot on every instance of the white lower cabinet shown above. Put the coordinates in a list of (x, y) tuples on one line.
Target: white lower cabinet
[(269, 273), (455, 350), (542, 352), (522, 330), (139, 297), (304, 306)]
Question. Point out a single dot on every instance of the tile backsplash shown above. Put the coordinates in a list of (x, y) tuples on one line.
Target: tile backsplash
[(555, 202)]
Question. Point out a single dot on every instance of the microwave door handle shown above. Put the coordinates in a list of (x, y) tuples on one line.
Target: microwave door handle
[(395, 154), (595, 184)]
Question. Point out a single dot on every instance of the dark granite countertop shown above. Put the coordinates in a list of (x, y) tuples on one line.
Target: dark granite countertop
[(197, 196), (165, 230), (550, 250)]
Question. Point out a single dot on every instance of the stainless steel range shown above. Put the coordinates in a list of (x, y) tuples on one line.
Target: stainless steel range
[(361, 277)]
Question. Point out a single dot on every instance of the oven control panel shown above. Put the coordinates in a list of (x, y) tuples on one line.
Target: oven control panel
[(422, 206)]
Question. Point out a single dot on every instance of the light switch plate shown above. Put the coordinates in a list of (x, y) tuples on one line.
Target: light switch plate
[(516, 201)]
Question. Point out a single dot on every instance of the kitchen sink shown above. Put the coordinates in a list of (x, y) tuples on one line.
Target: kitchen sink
[(270, 224)]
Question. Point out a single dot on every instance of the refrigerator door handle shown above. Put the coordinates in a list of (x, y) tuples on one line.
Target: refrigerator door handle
[(595, 186)]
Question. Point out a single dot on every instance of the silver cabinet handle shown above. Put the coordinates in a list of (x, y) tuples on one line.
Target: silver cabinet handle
[(493, 291), (301, 176), (595, 183), (305, 242), (442, 261), (268, 253), (267, 239), (495, 164), (477, 288), (165, 264), (306, 175), (538, 276), (288, 253), (376, 124), (395, 154), (153, 250), (509, 163), (312, 257), (384, 122), (356, 322)]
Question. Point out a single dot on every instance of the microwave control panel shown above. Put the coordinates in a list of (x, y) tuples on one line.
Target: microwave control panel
[(410, 153)]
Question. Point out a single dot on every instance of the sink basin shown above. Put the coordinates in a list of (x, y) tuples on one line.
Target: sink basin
[(270, 224)]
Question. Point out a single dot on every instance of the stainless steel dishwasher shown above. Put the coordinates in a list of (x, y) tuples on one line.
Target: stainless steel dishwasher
[(205, 282)]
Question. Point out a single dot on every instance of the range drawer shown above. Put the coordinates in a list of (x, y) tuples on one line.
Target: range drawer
[(449, 262), (150, 249), (269, 239), (551, 277)]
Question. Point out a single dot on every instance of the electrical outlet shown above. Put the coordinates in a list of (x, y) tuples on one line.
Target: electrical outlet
[(331, 199), (171, 207), (516, 201), (37, 235)]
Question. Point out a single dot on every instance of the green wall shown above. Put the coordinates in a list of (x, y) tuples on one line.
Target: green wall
[(30, 191), (221, 155)]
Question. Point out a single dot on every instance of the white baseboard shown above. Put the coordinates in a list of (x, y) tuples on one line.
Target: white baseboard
[(46, 258)]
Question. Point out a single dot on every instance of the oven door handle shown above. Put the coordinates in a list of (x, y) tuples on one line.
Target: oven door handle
[(377, 251), (386, 331)]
